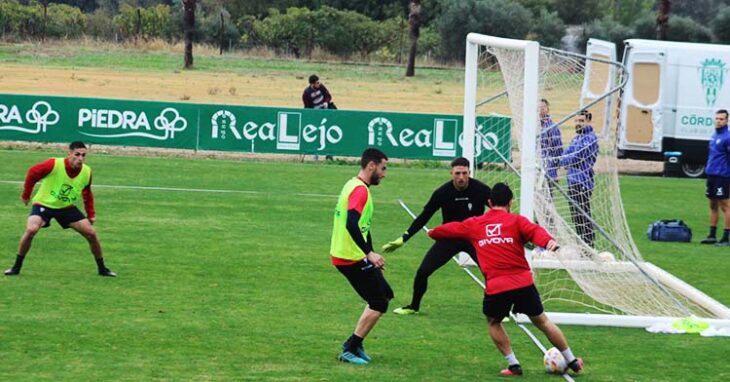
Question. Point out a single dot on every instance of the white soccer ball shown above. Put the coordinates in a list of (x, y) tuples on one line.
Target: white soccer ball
[(554, 361), (606, 256)]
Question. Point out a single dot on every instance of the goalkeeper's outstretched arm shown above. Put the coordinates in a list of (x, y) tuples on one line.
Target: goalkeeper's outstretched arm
[(419, 222)]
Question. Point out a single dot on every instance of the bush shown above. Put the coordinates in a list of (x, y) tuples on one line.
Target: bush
[(679, 29), (700, 10), (346, 32), (685, 29), (24, 21), (245, 26), (548, 29), (721, 25), (209, 28), (575, 12), (645, 28), (20, 20), (152, 22), (609, 30), (99, 24), (65, 21), (300, 30), (502, 18), (288, 32), (429, 42)]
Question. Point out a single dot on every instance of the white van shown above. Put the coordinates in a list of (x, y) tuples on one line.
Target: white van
[(670, 100)]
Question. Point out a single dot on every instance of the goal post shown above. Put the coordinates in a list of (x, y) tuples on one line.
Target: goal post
[(529, 103), (566, 178)]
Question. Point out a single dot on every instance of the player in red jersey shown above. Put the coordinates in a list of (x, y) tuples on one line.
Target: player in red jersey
[(499, 238), (63, 182)]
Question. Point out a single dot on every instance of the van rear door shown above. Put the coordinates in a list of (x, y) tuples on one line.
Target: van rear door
[(641, 110), (600, 77)]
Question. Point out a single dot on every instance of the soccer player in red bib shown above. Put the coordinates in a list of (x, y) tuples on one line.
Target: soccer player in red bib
[(64, 182), (499, 238)]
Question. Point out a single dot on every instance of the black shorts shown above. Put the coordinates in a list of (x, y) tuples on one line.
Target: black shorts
[(369, 282), (718, 187), (524, 300), (64, 216)]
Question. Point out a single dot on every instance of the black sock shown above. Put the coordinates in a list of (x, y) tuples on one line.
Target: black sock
[(353, 343), (713, 232), (100, 264), (725, 234), (18, 262)]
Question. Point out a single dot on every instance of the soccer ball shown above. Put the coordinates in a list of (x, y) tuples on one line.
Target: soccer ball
[(606, 256), (554, 361)]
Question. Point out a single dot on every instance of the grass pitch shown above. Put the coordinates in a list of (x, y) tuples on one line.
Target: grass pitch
[(221, 286)]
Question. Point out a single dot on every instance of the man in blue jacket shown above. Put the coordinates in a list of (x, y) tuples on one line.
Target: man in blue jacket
[(551, 144), (578, 159), (718, 179)]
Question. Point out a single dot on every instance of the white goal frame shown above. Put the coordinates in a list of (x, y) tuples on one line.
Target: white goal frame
[(528, 172), (528, 144)]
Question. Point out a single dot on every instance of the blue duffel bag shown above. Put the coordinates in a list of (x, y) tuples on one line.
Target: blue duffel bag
[(669, 230)]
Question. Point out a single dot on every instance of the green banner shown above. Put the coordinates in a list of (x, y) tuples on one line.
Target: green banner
[(246, 128), (103, 121)]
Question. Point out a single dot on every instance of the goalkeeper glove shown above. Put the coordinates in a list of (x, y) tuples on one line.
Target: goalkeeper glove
[(393, 245)]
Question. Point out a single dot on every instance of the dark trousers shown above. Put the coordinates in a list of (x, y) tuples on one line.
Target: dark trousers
[(439, 254), (580, 212)]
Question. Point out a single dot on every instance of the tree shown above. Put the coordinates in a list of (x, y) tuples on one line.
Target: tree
[(685, 29), (721, 25), (662, 19), (414, 21), (609, 30), (547, 28), (189, 30), (574, 12), (628, 12), (700, 10), (501, 18)]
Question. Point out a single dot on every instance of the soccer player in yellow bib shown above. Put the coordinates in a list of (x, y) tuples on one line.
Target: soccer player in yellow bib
[(352, 251), (64, 182)]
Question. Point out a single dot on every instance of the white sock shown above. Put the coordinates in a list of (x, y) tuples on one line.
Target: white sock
[(511, 359), (568, 355)]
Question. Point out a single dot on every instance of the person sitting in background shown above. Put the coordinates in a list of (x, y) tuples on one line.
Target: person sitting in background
[(316, 95)]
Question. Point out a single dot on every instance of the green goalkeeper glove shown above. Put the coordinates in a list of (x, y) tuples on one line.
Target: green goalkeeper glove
[(393, 245)]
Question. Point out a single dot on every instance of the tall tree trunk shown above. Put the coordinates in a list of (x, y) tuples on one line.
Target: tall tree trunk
[(222, 35), (662, 19), (414, 21), (138, 26), (188, 30), (45, 20)]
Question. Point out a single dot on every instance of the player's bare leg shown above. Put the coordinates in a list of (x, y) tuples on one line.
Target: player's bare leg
[(501, 340), (32, 227), (557, 338), (86, 230)]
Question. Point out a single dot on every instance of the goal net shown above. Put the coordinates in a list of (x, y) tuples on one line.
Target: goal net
[(561, 165)]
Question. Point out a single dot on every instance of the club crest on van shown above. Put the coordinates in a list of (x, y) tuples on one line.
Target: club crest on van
[(712, 77)]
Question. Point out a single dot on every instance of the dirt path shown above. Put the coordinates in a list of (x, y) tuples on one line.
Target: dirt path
[(228, 88)]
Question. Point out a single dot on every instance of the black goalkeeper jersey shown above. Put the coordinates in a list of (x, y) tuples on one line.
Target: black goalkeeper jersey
[(455, 205)]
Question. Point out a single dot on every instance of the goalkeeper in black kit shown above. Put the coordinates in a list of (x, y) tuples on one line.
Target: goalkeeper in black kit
[(460, 198)]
